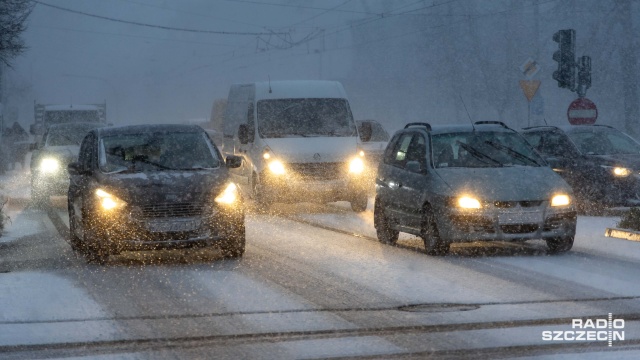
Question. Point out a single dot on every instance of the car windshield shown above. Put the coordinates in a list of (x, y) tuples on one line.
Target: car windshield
[(482, 149), (156, 152), (305, 118), (67, 135), (604, 141)]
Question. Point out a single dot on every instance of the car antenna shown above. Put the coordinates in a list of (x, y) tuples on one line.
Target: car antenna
[(467, 111), (545, 121), (269, 77)]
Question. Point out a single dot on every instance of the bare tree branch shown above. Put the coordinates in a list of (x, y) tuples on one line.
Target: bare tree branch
[(13, 17)]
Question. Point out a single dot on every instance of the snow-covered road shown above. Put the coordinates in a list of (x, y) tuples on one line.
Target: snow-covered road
[(314, 283)]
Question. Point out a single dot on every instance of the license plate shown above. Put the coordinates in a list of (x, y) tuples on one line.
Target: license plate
[(520, 218), (173, 225)]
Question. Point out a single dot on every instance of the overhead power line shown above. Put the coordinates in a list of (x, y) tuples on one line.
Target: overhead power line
[(158, 26)]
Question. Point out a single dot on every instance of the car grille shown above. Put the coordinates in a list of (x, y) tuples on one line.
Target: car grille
[(511, 204), (519, 229), (318, 171), (168, 210)]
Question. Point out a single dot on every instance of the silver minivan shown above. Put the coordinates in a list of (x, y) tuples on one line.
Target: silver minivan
[(463, 183)]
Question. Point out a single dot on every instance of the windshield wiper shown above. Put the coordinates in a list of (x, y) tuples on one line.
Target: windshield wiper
[(510, 151), (478, 154)]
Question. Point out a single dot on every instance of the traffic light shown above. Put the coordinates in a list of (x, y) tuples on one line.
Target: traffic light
[(565, 56), (584, 72)]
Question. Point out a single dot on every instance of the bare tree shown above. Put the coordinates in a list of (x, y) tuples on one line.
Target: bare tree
[(13, 16)]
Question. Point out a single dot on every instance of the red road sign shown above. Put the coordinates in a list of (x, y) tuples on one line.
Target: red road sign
[(582, 111)]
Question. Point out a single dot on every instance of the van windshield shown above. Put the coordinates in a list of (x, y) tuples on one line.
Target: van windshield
[(305, 118)]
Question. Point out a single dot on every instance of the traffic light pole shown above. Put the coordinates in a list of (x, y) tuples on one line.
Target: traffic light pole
[(567, 65)]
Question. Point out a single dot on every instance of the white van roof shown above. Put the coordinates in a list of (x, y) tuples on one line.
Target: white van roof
[(299, 89)]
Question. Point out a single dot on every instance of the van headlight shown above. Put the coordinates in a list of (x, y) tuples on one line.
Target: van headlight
[(49, 165), (560, 200), (618, 171), (229, 195), (356, 166), (468, 202), (109, 202), (276, 167)]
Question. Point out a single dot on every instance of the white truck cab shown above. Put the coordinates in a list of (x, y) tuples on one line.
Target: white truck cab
[(298, 140)]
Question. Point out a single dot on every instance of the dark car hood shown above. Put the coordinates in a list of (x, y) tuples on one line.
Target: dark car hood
[(631, 161), (166, 186)]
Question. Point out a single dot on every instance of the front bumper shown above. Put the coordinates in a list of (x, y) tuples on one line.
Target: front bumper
[(128, 231), (519, 224)]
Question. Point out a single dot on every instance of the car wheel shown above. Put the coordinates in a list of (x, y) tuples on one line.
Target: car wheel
[(385, 233), (359, 202), (559, 244), (260, 199), (94, 247), (234, 244), (74, 240), (433, 243)]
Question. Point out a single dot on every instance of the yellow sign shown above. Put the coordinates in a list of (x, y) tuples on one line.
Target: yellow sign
[(529, 87)]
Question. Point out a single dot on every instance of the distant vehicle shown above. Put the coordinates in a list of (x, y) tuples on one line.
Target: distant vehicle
[(58, 147), (145, 187), (298, 142), (601, 163), (373, 141), (49, 114), (451, 184)]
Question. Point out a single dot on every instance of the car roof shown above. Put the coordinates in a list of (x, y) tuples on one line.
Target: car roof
[(148, 128), (568, 128), (447, 129)]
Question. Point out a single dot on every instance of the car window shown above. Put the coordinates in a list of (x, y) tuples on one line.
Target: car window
[(482, 149), (604, 141), (87, 152), (400, 151), (555, 144), (157, 151)]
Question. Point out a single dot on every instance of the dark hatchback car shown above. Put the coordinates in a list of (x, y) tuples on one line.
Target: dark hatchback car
[(462, 183), (601, 163), (148, 187)]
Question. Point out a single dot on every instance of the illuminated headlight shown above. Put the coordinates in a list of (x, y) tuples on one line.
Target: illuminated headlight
[(229, 195), (467, 202), (49, 165), (356, 166), (108, 201), (618, 171), (560, 200), (276, 167)]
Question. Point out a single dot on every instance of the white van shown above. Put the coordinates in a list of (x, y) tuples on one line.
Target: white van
[(298, 140)]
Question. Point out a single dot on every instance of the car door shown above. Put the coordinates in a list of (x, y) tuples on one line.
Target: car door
[(411, 192), (80, 183), (391, 180)]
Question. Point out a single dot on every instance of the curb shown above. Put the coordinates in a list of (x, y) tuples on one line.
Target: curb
[(622, 234)]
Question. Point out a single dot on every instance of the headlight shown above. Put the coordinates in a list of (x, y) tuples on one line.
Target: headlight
[(560, 200), (49, 165), (618, 171), (276, 167), (108, 201), (467, 202), (356, 166), (229, 195)]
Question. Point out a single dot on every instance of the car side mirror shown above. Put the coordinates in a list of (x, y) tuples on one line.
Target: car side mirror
[(365, 132), (244, 133), (233, 161), (75, 168), (414, 167)]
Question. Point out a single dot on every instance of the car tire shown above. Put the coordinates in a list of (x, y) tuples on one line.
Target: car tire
[(233, 246), (75, 242), (260, 200), (433, 244), (384, 232), (359, 202), (93, 244), (559, 245)]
